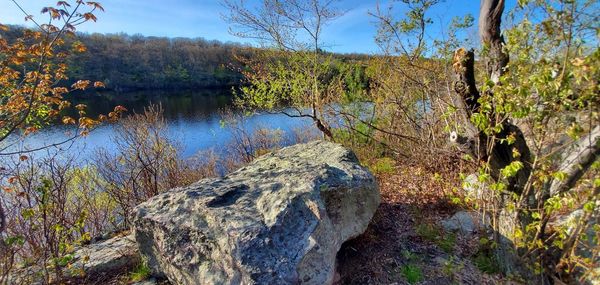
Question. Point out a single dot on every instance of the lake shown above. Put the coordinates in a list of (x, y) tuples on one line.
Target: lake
[(193, 119)]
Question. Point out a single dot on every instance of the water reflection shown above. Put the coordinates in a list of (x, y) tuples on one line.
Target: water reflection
[(177, 104), (193, 118)]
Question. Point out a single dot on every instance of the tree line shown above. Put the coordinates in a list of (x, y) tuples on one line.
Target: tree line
[(126, 62), (134, 62)]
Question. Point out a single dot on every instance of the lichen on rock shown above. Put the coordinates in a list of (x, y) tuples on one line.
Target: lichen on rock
[(279, 220)]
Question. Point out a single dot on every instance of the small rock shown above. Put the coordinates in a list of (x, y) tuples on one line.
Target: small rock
[(462, 222), (570, 222), (106, 258), (112, 255), (440, 260), (475, 189)]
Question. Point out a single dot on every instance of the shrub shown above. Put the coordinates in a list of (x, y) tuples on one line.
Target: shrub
[(412, 273), (383, 166)]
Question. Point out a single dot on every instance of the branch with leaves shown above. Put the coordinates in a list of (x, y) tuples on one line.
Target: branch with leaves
[(524, 107), (33, 67)]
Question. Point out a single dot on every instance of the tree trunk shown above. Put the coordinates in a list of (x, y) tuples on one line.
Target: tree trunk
[(325, 130), (493, 150), (490, 20)]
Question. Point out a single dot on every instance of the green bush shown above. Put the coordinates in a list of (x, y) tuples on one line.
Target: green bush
[(412, 273), (434, 234), (486, 262), (428, 231), (383, 165), (447, 242)]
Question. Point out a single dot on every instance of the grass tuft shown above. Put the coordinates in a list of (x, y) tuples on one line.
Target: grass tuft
[(140, 273), (412, 273)]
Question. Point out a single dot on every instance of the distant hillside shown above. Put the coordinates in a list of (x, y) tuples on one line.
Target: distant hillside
[(133, 62)]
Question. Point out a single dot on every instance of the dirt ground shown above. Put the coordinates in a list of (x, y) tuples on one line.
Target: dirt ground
[(396, 249)]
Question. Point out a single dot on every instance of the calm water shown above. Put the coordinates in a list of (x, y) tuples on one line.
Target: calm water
[(193, 119)]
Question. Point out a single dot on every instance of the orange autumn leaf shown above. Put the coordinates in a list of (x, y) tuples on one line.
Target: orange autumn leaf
[(120, 109), (90, 16), (86, 123), (64, 104), (81, 84), (30, 130), (96, 5), (12, 179), (63, 3), (68, 120), (79, 47)]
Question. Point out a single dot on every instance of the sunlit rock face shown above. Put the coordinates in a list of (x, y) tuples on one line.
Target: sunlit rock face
[(279, 220), (94, 262)]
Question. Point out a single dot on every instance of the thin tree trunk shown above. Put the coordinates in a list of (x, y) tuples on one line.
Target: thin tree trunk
[(492, 150)]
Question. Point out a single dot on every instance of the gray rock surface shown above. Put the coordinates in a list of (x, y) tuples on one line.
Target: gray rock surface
[(94, 261), (475, 189), (279, 220), (584, 246), (112, 255), (462, 222)]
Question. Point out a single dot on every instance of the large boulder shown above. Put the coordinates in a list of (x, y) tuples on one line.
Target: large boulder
[(279, 220)]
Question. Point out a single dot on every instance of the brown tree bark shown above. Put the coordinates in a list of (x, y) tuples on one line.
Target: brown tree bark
[(494, 150), (490, 21)]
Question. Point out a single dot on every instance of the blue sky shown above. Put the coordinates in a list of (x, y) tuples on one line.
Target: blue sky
[(353, 32)]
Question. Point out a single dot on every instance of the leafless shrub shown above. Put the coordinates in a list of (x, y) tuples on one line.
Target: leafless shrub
[(145, 162), (248, 142), (47, 214)]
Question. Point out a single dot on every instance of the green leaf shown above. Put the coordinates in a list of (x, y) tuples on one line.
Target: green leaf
[(559, 175), (27, 213), (18, 240), (512, 169), (589, 207)]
